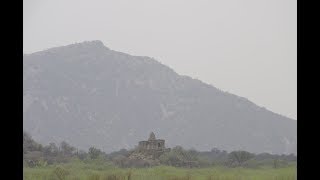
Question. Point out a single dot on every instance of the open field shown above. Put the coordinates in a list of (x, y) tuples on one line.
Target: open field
[(105, 171)]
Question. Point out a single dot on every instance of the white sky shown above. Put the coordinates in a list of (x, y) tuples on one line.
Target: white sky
[(245, 47)]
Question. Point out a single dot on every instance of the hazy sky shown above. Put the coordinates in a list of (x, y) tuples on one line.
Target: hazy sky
[(245, 47)]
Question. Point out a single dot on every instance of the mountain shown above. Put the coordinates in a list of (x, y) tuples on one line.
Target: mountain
[(90, 95)]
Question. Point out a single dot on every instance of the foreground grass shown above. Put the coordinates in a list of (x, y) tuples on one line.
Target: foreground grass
[(104, 171)]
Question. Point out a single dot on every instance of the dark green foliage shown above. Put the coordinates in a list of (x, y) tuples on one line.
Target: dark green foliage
[(51, 150), (34, 158), (122, 152), (215, 156), (66, 149), (94, 153), (119, 160), (50, 153), (82, 155), (34, 154), (237, 158), (29, 144), (180, 157)]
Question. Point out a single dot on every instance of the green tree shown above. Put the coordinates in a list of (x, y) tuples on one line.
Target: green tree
[(51, 150), (94, 153), (66, 149), (239, 157), (178, 157), (29, 144), (82, 155)]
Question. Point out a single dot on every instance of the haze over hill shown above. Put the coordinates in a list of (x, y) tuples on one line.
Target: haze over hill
[(88, 94)]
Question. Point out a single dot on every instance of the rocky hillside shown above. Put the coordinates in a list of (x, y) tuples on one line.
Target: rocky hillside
[(88, 94)]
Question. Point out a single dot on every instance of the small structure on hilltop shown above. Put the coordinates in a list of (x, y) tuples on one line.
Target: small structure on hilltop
[(152, 143), (147, 154), (151, 149)]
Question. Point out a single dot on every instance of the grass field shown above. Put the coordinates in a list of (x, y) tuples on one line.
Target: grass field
[(104, 171)]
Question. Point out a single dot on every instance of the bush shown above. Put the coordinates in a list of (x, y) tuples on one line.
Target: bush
[(34, 159), (82, 155), (61, 173), (181, 158)]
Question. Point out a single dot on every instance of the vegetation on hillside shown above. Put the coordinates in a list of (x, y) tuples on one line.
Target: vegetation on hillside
[(37, 155)]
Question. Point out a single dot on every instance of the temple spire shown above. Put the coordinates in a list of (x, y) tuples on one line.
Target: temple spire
[(152, 136)]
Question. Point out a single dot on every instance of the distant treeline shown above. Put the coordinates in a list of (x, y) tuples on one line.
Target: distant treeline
[(35, 154)]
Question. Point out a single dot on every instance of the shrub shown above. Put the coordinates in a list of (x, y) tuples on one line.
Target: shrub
[(61, 173)]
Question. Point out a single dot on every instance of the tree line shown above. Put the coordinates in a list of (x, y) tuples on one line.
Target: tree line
[(36, 154)]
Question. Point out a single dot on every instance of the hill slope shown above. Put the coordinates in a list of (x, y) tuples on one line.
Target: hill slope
[(87, 94)]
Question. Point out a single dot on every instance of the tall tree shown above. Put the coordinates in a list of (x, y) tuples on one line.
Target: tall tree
[(66, 149), (239, 157), (94, 153)]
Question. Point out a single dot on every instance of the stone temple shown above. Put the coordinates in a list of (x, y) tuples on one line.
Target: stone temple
[(152, 143), (151, 149)]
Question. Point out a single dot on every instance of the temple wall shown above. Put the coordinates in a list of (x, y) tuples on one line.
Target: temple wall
[(154, 147), (152, 144)]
